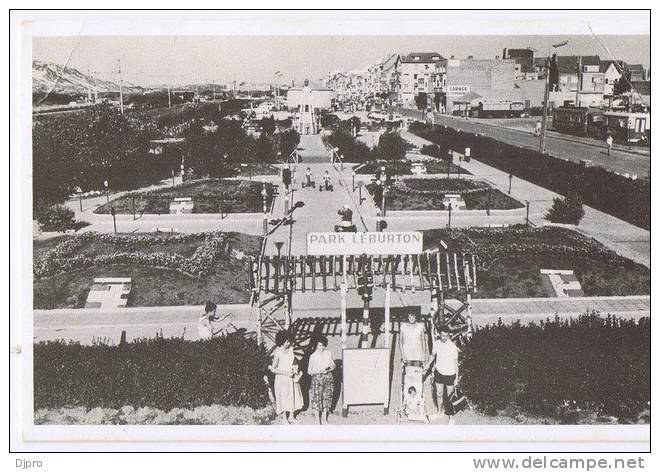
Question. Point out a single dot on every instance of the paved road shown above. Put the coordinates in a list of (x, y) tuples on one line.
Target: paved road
[(621, 160)]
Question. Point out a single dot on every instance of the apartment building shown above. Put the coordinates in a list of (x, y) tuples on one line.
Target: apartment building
[(421, 75)]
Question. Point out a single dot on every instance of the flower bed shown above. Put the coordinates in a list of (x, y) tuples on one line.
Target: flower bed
[(433, 166), (427, 194), (563, 369), (510, 260), (192, 267), (209, 196)]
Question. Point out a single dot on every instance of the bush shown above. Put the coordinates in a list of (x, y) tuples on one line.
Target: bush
[(567, 210), (58, 218), (599, 188), (158, 373), (391, 147), (591, 364), (436, 151)]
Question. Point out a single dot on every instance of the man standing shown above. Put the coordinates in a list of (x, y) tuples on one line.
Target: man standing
[(445, 374), (609, 142)]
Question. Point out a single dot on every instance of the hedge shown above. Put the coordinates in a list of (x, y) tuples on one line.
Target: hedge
[(561, 368), (616, 195), (158, 373)]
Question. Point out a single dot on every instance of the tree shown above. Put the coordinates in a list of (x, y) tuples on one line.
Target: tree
[(264, 151), (289, 141), (268, 125), (567, 210), (622, 85), (391, 147), (58, 218), (421, 100)]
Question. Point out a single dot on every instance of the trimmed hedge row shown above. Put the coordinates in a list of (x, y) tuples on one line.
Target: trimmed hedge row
[(158, 373), (561, 368), (616, 195)]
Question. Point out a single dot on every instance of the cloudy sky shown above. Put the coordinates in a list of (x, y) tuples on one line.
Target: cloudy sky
[(197, 57)]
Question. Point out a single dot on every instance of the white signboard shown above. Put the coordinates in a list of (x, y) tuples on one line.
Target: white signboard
[(457, 90), (371, 243), (366, 377)]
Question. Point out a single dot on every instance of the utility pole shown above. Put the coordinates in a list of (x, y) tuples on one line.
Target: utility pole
[(121, 89), (579, 81), (546, 97)]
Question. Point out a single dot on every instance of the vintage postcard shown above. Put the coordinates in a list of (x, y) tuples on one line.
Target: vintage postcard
[(425, 228)]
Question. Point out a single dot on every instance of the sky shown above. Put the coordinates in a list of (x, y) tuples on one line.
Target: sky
[(156, 60)]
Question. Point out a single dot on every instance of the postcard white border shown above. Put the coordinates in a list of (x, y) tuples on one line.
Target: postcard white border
[(604, 438)]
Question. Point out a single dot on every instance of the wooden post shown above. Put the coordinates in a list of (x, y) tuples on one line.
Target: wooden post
[(259, 320), (387, 315), (343, 313)]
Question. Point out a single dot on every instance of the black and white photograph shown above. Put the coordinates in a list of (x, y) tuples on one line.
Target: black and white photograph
[(265, 220)]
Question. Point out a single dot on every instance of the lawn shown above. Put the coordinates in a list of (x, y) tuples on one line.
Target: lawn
[(427, 194), (510, 260), (433, 166), (209, 196), (58, 283)]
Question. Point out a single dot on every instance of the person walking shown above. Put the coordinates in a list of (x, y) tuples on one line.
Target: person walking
[(445, 361), (320, 367), (610, 142), (288, 396)]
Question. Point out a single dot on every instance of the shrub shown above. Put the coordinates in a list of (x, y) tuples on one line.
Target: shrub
[(567, 210), (436, 151), (391, 147), (58, 218), (158, 373), (591, 364)]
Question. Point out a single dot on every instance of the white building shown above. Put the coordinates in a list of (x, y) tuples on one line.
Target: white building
[(306, 102)]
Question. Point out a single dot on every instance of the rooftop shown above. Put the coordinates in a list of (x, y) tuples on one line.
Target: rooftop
[(422, 57)]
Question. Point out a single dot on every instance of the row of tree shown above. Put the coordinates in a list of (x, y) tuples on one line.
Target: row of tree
[(100, 144)]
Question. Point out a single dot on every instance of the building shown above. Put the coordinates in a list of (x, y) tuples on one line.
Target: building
[(491, 103), (307, 102), (421, 78), (524, 59), (612, 71), (580, 75), (476, 75)]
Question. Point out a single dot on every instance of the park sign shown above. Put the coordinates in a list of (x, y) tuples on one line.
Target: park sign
[(370, 243)]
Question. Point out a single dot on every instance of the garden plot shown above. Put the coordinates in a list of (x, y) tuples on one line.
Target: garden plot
[(166, 269), (511, 259), (403, 167), (428, 194), (209, 196)]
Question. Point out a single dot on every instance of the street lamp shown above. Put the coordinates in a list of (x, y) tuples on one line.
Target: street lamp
[(107, 195), (546, 96), (79, 192)]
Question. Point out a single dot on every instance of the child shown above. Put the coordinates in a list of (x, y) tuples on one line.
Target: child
[(414, 406)]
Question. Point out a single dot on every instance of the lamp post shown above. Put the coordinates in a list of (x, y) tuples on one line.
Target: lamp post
[(79, 192), (449, 222), (527, 216), (510, 180), (107, 194), (278, 245), (546, 96), (264, 196), (353, 181)]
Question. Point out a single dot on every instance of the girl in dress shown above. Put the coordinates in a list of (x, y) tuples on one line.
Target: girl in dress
[(288, 396)]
